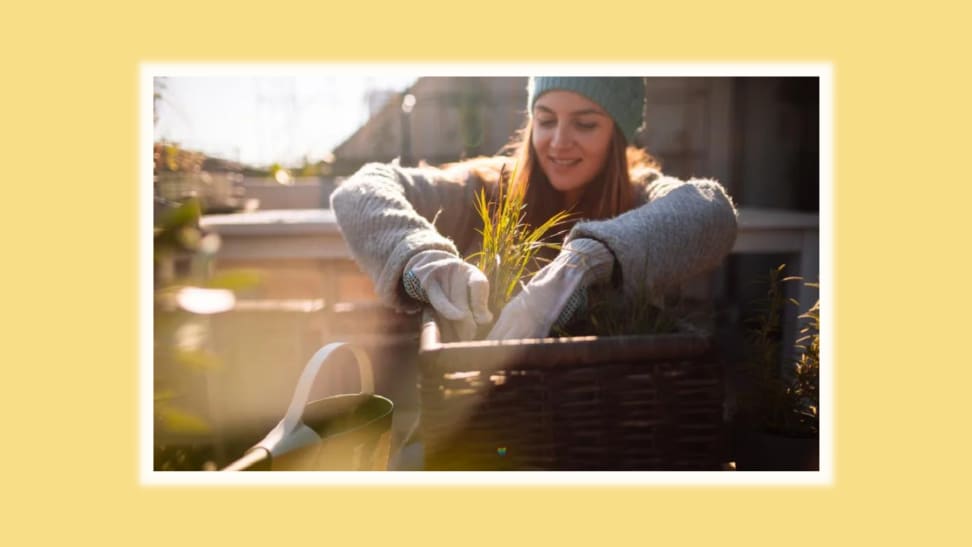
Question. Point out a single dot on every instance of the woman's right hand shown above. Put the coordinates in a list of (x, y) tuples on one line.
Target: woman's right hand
[(456, 289)]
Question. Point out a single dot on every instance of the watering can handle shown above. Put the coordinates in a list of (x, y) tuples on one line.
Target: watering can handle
[(291, 432)]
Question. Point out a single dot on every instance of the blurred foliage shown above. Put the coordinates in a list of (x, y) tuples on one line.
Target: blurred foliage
[(177, 238), (239, 279), (169, 157), (183, 362), (806, 378), (173, 419), (781, 398), (180, 174), (177, 229)]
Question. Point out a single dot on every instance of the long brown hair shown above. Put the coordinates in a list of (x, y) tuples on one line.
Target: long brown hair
[(608, 195)]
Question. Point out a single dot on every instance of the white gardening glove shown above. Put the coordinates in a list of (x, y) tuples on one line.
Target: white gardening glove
[(582, 262), (456, 289)]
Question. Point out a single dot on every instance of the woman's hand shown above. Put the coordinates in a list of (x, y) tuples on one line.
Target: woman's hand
[(456, 289), (549, 295)]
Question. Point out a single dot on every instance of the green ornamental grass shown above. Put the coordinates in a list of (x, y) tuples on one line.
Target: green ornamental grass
[(510, 246)]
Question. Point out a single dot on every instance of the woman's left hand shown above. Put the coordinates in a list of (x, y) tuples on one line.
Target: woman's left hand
[(535, 310)]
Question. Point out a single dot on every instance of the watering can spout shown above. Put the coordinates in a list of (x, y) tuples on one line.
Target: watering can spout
[(282, 439), (294, 444)]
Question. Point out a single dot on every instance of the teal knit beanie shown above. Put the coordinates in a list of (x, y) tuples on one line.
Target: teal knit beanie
[(622, 98)]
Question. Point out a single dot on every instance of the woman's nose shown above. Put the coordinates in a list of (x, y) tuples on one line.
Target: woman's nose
[(561, 137)]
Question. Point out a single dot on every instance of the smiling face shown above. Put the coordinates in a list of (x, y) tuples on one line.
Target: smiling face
[(571, 137)]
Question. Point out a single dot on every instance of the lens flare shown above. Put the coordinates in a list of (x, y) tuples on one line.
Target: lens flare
[(206, 301)]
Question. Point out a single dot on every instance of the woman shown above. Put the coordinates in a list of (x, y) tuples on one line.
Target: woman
[(636, 230)]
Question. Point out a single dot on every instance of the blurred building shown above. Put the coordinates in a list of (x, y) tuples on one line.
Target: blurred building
[(758, 136), (452, 118)]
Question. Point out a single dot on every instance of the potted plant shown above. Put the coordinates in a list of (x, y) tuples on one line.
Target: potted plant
[(597, 402), (777, 425)]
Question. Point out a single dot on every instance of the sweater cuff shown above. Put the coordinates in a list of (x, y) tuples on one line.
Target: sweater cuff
[(389, 284), (597, 260)]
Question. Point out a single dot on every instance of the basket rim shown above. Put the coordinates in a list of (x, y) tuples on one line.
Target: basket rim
[(550, 351)]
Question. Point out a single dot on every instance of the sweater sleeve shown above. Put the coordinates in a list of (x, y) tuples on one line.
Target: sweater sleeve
[(387, 214), (684, 229)]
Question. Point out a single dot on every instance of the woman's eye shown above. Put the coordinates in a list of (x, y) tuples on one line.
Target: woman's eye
[(586, 126), (547, 123)]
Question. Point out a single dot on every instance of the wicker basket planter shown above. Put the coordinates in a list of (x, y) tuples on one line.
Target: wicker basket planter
[(586, 403)]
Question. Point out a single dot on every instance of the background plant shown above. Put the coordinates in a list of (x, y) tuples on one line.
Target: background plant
[(806, 379), (610, 312), (781, 398)]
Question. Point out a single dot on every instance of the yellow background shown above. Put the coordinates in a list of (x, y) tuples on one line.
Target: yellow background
[(69, 356)]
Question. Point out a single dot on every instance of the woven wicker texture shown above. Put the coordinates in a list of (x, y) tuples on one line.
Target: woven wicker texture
[(620, 403)]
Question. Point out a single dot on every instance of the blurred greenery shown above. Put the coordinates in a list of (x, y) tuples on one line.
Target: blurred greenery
[(806, 371), (169, 157), (176, 418), (183, 361), (781, 398), (173, 419), (179, 174), (234, 280)]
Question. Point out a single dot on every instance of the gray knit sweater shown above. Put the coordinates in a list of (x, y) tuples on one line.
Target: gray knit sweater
[(388, 213)]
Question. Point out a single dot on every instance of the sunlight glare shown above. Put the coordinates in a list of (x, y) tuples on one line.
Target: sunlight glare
[(206, 301)]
